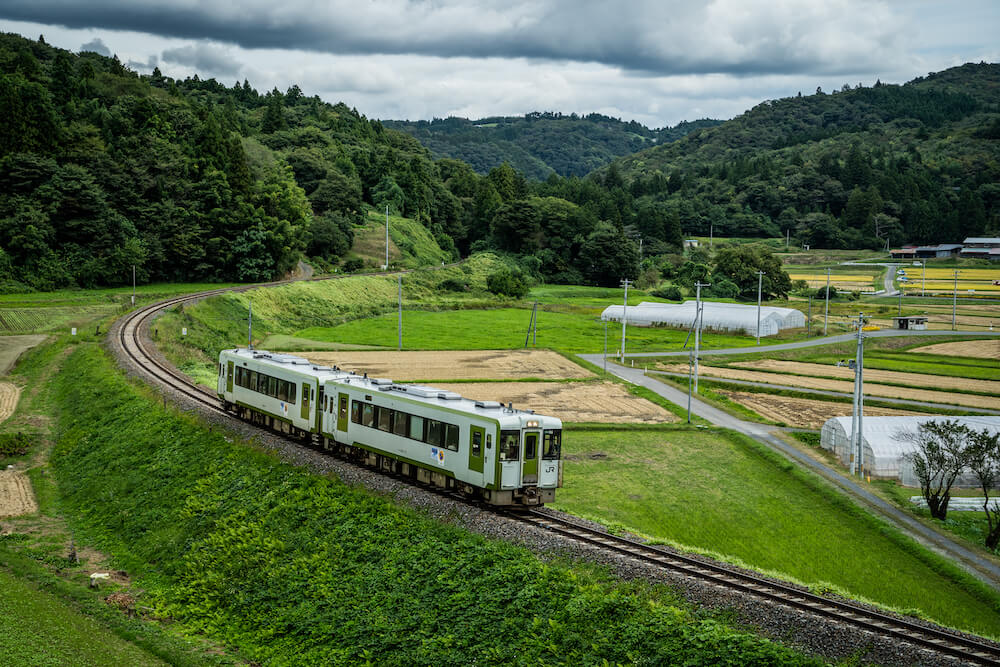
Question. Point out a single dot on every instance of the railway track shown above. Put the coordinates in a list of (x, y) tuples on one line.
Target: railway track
[(129, 337)]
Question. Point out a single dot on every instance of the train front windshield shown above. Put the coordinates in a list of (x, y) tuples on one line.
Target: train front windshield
[(552, 444)]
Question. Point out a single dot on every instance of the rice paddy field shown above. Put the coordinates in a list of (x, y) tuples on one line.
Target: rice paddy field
[(971, 281), (840, 278)]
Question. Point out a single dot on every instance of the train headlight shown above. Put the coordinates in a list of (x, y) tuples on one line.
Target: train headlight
[(532, 423)]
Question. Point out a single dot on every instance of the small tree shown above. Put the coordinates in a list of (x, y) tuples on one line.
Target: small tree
[(984, 462), (941, 453)]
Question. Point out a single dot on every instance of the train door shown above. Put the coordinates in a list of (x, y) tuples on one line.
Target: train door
[(320, 406), (529, 465), (510, 459), (342, 413), (304, 411), (229, 377), (477, 445)]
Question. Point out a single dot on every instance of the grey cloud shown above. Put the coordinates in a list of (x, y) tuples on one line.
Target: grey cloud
[(204, 58), (144, 67), (97, 46), (656, 36)]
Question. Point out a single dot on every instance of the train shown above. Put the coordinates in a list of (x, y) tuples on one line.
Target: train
[(487, 450)]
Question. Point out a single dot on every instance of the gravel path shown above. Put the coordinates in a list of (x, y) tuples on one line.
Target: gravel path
[(830, 640)]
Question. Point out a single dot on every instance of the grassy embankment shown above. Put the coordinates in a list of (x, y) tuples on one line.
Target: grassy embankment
[(724, 494), (298, 568), (410, 243)]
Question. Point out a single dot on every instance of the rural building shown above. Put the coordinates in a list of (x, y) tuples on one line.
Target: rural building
[(927, 251), (727, 317), (910, 322), (884, 452), (982, 248), (691, 243)]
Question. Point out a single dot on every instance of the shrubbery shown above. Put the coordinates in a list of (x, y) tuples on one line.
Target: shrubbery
[(14, 444)]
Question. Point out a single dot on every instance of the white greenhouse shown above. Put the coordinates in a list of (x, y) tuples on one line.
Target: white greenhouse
[(725, 317), (884, 454)]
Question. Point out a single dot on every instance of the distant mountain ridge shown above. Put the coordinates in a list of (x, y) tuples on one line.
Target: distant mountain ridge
[(539, 144)]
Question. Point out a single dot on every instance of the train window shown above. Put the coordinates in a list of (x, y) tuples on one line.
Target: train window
[(368, 415), (291, 391), (252, 381), (272, 386), (451, 437), (552, 444), (435, 433), (384, 417), (400, 423), (282, 390), (356, 412), (477, 443), (510, 448), (530, 445), (416, 427)]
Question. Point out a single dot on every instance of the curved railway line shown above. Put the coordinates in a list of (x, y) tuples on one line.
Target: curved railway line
[(129, 337)]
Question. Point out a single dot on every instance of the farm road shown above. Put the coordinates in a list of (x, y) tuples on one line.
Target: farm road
[(972, 562), (812, 342)]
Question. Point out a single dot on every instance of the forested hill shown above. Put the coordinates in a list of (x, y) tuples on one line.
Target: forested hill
[(102, 169), (540, 144), (857, 167)]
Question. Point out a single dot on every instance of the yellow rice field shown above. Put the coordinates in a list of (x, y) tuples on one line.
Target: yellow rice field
[(843, 281)]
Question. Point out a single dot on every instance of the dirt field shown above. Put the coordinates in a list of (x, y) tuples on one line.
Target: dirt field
[(844, 386), (604, 402), (802, 412), (455, 365), (16, 497), (9, 395), (873, 375), (12, 347), (981, 349)]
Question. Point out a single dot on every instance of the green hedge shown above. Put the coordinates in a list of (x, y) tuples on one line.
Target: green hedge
[(295, 568)]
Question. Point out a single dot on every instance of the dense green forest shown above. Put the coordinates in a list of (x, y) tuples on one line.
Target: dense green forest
[(102, 168), (859, 167), (540, 144)]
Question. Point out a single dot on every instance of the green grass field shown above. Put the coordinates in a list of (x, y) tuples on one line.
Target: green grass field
[(725, 494), (37, 628), (505, 328)]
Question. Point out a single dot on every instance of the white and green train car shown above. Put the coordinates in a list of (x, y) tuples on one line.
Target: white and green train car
[(481, 448)]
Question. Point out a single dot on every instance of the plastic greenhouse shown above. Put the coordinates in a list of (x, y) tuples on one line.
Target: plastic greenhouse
[(884, 454), (726, 317)]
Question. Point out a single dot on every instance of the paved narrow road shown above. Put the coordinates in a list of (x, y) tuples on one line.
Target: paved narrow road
[(983, 568)]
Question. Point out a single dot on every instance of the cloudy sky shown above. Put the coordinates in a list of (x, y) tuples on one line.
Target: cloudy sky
[(655, 61)]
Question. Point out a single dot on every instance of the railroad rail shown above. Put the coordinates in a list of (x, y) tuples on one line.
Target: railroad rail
[(129, 338)]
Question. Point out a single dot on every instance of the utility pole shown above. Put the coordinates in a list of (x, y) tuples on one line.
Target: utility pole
[(899, 308), (624, 283), (690, 364), (697, 328), (788, 237), (133, 284), (711, 233), (809, 318), (826, 308), (857, 437), (250, 328), (954, 302), (399, 337), (760, 280), (923, 275), (386, 267), (605, 347)]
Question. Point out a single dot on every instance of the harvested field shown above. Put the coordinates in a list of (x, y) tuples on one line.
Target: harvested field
[(981, 349), (9, 395), (873, 375), (456, 364), (843, 386), (802, 412), (12, 347), (605, 402), (16, 497)]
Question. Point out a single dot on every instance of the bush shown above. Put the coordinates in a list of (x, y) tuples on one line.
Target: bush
[(670, 292), (14, 444), (353, 264), (821, 292), (453, 285), (505, 282)]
